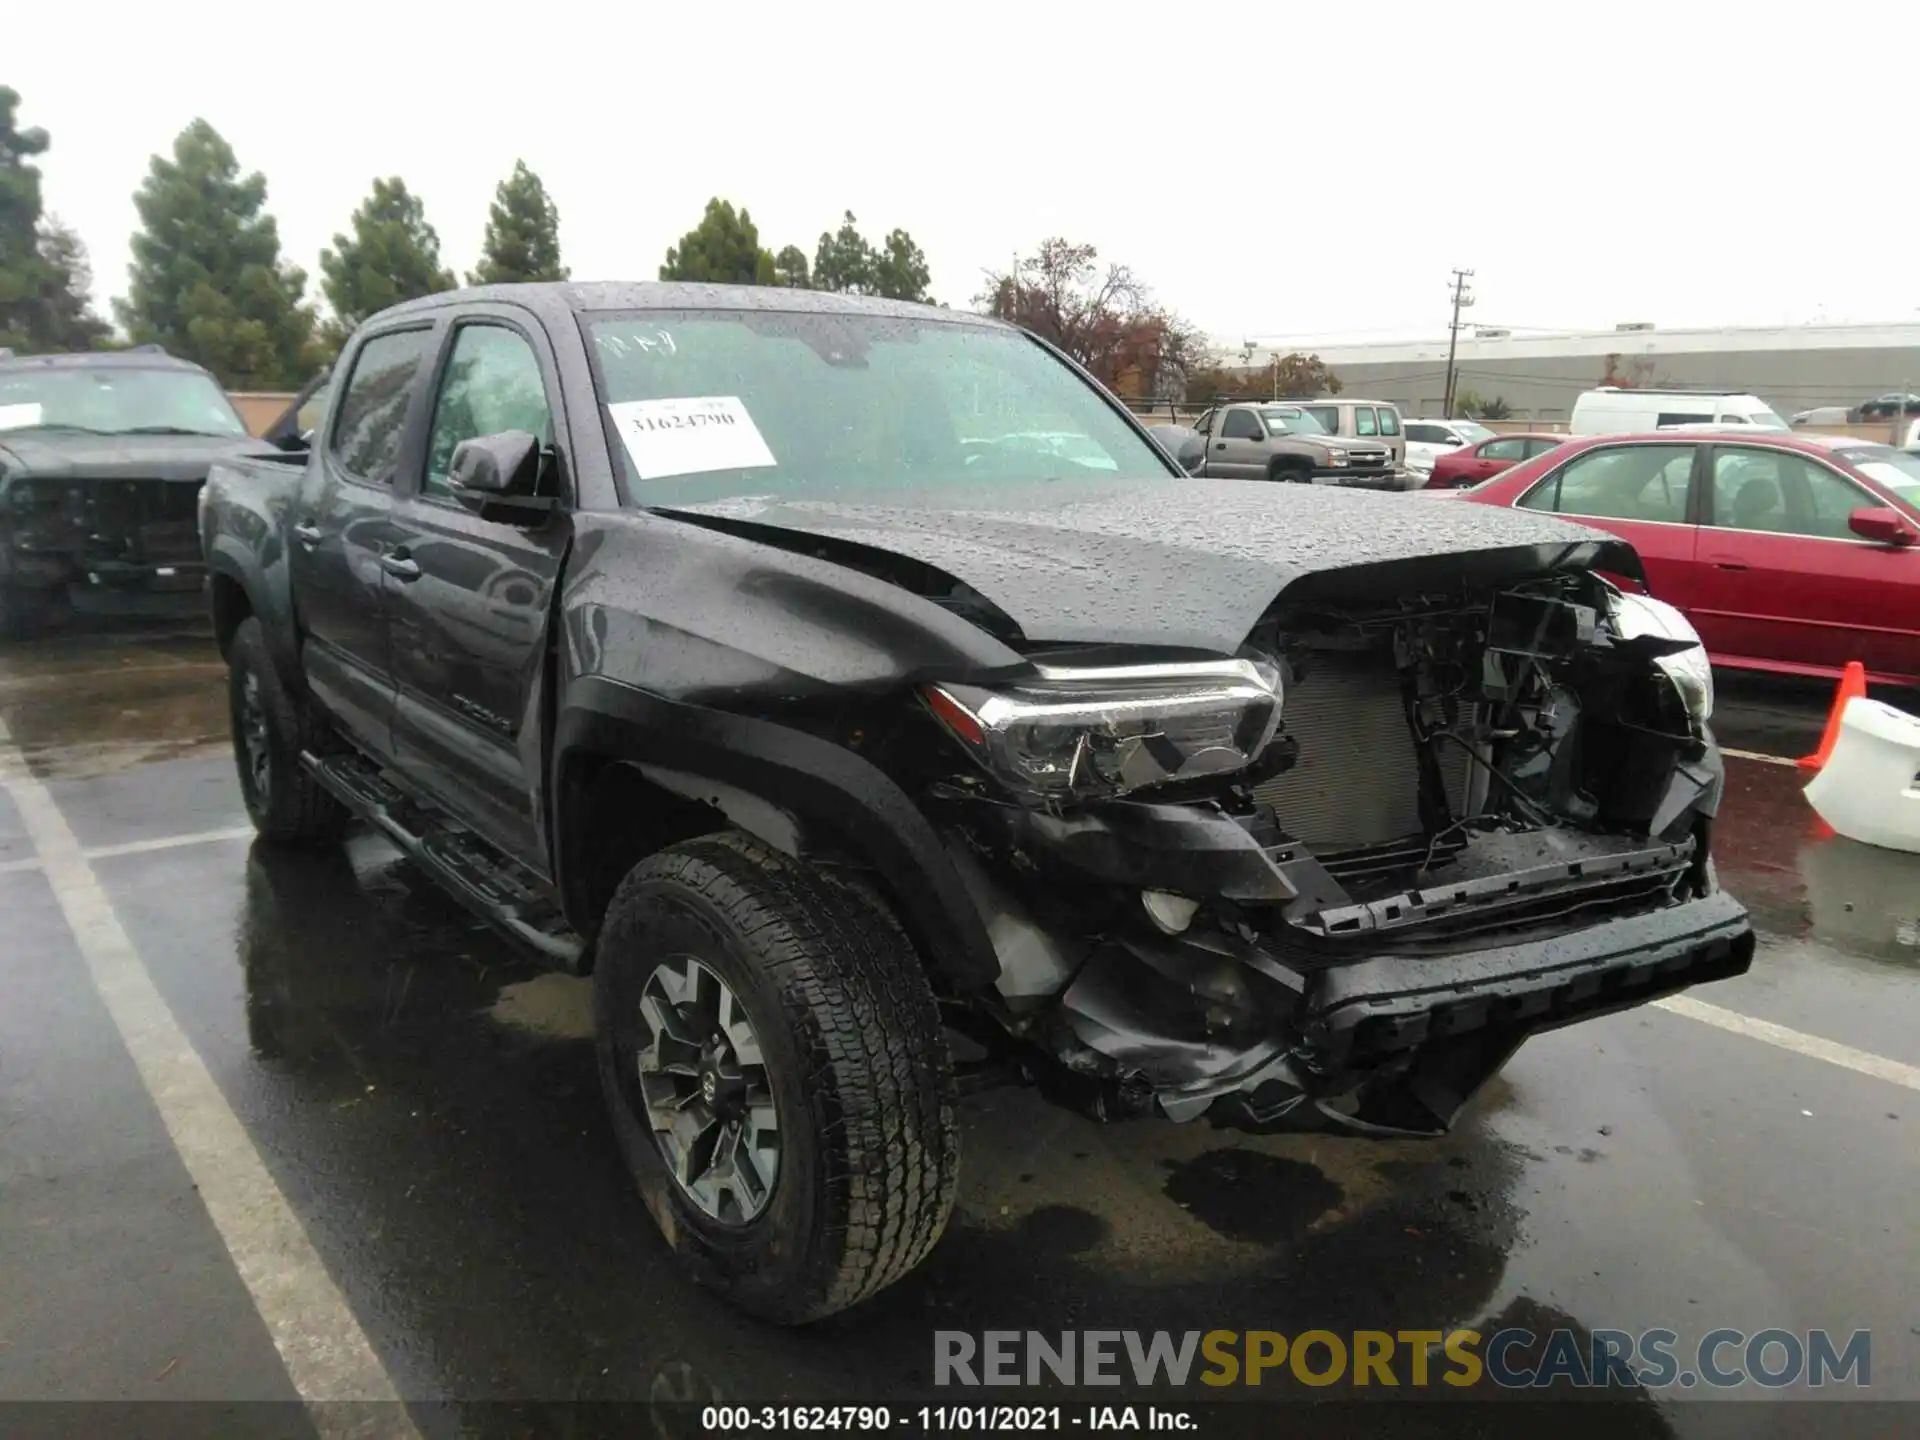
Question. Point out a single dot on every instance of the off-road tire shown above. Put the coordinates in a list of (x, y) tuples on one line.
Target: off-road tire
[(856, 1061), (290, 807)]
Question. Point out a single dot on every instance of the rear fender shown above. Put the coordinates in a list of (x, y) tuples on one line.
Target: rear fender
[(797, 792)]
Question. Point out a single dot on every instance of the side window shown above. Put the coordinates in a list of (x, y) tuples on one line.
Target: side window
[(492, 383), (373, 408), (1363, 421), (1782, 493), (1240, 425), (1676, 417), (1503, 450), (1732, 420), (1327, 415), (1427, 434), (1389, 420), (1626, 482), (1540, 447)]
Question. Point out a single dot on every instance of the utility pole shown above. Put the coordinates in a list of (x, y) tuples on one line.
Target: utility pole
[(1462, 297)]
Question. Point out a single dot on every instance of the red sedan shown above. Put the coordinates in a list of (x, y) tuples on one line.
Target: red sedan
[(1789, 553), (1471, 464)]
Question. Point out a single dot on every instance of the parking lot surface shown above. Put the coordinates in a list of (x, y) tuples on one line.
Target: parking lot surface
[(291, 1126)]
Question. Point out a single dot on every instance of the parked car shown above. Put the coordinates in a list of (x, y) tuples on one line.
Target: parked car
[(102, 455), (1364, 421), (1279, 440), (1885, 407), (1613, 410), (1428, 439), (735, 645), (1791, 553), (1823, 415), (1488, 458)]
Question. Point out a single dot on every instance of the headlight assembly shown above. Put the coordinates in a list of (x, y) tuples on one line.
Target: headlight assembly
[(1638, 616), (1092, 733)]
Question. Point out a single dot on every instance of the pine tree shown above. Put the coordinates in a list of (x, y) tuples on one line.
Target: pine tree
[(723, 249), (45, 282), (523, 233), (67, 293), (207, 280), (392, 255)]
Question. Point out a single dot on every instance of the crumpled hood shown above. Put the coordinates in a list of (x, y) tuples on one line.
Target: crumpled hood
[(1176, 562), (59, 454)]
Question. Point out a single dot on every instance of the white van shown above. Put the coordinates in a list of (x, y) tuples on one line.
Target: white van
[(1611, 410)]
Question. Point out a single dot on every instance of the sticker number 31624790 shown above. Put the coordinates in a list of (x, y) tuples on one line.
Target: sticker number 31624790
[(689, 436)]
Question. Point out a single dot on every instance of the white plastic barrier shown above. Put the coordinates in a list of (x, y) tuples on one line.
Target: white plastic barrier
[(1869, 789)]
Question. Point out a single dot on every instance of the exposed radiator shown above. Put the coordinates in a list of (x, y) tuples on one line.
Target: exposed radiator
[(1357, 781)]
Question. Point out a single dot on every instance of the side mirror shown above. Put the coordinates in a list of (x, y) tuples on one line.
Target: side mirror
[(1882, 524), (1187, 447), (499, 474)]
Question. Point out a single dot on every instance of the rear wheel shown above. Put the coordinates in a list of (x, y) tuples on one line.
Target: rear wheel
[(776, 1075), (271, 729), (26, 613)]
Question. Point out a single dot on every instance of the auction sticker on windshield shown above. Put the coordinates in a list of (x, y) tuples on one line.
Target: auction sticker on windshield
[(13, 417), (689, 436)]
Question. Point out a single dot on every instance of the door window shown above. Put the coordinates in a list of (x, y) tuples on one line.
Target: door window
[(1783, 494), (1363, 423), (492, 383), (373, 409), (1240, 425), (1503, 450), (1678, 417), (1428, 434), (1540, 447), (1389, 420), (1625, 482)]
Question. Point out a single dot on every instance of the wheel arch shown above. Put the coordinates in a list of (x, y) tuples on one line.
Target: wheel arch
[(634, 773)]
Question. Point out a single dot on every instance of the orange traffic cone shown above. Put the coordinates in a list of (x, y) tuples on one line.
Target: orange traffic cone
[(1853, 685)]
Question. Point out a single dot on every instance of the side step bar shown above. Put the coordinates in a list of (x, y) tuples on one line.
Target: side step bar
[(493, 887)]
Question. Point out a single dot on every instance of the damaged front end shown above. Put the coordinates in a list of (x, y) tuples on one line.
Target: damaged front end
[(1346, 873)]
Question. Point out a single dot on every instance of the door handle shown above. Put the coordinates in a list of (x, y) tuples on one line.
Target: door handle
[(1728, 565), (400, 565), (1219, 444), (307, 533)]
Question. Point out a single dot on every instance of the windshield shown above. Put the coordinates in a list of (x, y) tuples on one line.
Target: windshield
[(714, 405), (1892, 469), (1471, 433), (1293, 422), (115, 400), (1763, 417)]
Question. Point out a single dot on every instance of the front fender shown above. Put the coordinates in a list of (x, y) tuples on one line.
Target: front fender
[(828, 789)]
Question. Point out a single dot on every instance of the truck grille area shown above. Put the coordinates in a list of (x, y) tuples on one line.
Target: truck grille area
[(115, 529), (1356, 783)]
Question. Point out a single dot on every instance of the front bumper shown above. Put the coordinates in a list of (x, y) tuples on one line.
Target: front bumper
[(1366, 479)]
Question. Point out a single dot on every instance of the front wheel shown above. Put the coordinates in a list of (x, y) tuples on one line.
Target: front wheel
[(776, 1075), (271, 729)]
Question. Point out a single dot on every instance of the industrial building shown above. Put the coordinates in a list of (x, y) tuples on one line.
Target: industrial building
[(1538, 375)]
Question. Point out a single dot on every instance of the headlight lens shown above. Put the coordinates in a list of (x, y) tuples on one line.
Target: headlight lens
[(1635, 616), (1092, 733)]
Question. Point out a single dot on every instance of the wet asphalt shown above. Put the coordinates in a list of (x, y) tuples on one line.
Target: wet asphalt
[(426, 1101)]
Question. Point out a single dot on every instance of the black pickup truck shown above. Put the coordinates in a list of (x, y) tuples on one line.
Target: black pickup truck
[(770, 655)]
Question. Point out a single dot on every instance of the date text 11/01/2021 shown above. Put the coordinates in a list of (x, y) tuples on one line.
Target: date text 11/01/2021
[(934, 1419)]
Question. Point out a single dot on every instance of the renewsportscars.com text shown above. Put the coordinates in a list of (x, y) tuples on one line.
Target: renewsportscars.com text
[(1508, 1358)]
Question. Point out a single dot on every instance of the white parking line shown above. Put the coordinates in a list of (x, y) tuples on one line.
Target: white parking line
[(326, 1353), (1798, 1041), (139, 847), (1756, 755)]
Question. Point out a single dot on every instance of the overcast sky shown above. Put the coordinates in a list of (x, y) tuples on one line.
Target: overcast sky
[(1683, 163)]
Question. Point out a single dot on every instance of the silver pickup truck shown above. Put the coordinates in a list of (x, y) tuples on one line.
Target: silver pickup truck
[(1278, 440)]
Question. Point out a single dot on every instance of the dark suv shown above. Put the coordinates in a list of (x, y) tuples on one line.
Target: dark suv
[(102, 456)]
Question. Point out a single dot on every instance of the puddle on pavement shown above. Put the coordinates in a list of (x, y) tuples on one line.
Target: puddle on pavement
[(92, 705), (1801, 881)]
